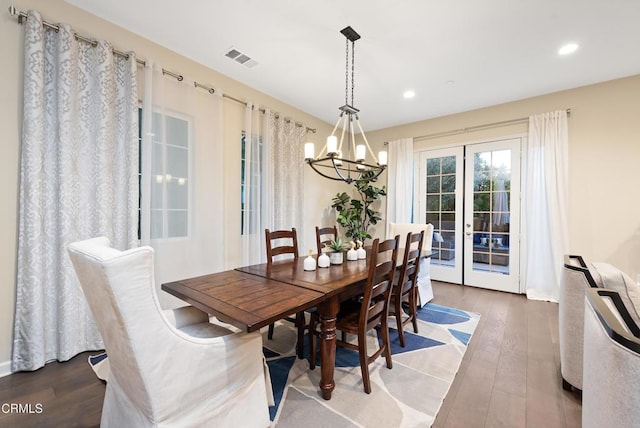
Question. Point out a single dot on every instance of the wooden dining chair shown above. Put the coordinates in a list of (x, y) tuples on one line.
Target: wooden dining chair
[(280, 248), (324, 236), (359, 317), (405, 289)]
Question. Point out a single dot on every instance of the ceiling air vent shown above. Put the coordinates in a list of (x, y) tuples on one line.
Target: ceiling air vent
[(241, 58)]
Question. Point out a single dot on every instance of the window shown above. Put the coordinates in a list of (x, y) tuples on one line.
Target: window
[(170, 176), (253, 189)]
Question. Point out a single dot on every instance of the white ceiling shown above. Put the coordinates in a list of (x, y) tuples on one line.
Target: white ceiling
[(456, 55)]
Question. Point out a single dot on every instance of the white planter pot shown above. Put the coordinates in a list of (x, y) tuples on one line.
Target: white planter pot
[(336, 258)]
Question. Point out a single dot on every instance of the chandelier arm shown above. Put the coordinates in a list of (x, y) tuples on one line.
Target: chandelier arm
[(337, 123), (340, 178), (335, 167), (344, 126), (364, 137), (353, 135)]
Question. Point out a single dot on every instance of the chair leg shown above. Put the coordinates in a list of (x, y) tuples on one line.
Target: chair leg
[(312, 341), (270, 334), (413, 310), (300, 323), (364, 365), (386, 343), (400, 327)]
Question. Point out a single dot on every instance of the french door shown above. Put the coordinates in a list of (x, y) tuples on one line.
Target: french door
[(471, 194)]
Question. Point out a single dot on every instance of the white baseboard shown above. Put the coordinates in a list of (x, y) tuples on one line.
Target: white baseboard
[(5, 368)]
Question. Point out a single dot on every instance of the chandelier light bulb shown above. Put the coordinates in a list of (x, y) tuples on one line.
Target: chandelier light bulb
[(382, 158), (361, 151), (332, 144), (309, 151)]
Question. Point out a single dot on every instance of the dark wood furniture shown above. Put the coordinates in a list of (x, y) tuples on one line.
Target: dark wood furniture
[(324, 236), (405, 288), (372, 312), (280, 248), (336, 283), (246, 301)]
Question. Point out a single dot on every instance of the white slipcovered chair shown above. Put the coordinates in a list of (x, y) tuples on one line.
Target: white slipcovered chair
[(169, 368), (425, 291), (611, 362)]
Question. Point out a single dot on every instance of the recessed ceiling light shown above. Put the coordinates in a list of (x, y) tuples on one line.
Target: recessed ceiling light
[(567, 49), (409, 94)]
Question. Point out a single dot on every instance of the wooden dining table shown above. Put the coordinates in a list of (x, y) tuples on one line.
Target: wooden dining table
[(255, 296)]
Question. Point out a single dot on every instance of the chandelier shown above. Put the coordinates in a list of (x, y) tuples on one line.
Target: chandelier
[(331, 162)]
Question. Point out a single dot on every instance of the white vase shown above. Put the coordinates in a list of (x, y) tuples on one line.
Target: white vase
[(309, 263), (336, 257), (323, 261), (352, 254), (362, 253)]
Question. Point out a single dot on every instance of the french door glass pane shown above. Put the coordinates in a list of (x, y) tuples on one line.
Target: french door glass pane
[(441, 206), (492, 182)]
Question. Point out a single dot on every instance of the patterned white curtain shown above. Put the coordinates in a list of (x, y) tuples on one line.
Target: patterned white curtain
[(545, 207), (78, 179), (273, 179), (287, 158)]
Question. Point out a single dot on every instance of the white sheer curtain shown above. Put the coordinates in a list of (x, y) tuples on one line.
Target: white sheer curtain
[(400, 181), (182, 186), (78, 179), (400, 205), (545, 207), (258, 185)]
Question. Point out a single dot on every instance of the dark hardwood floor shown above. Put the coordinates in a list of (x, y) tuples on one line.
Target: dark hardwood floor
[(510, 374), (509, 377)]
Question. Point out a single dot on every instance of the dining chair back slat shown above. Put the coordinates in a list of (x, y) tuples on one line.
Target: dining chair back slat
[(324, 236)]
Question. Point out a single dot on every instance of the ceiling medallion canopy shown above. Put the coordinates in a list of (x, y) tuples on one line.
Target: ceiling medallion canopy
[(344, 160)]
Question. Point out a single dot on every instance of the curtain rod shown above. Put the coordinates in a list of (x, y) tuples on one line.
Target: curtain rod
[(475, 128), (22, 16)]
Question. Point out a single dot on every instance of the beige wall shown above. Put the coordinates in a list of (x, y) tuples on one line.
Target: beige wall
[(604, 160), (604, 150)]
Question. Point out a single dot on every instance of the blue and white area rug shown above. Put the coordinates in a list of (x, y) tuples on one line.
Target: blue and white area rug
[(408, 395)]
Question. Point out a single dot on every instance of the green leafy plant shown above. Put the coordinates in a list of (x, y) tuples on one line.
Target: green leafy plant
[(356, 215), (337, 245)]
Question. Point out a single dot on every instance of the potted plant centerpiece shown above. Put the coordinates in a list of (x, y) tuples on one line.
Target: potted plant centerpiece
[(357, 214), (336, 251)]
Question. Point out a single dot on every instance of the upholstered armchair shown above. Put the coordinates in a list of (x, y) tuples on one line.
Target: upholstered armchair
[(576, 278), (166, 368), (425, 291), (611, 362)]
